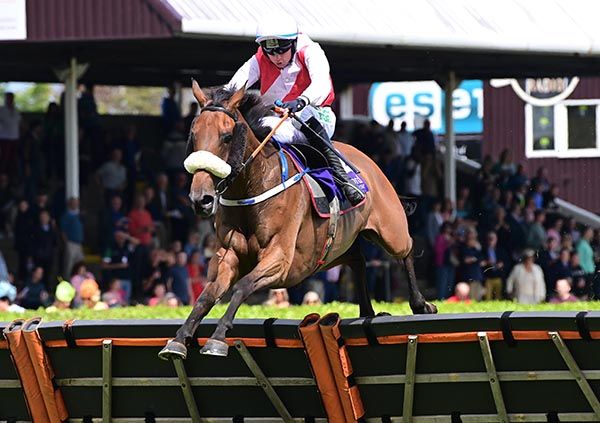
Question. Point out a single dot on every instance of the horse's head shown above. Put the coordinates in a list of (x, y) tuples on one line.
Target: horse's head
[(214, 145)]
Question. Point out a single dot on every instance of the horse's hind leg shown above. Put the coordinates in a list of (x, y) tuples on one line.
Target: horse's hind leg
[(417, 302), (399, 246)]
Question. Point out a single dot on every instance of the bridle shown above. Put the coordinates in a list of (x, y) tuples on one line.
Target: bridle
[(226, 182)]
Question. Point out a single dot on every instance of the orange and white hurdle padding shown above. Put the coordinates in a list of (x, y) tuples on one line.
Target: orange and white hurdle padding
[(22, 361), (42, 395), (332, 367)]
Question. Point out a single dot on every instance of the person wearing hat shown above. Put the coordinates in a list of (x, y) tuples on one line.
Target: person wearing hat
[(90, 294), (8, 294), (63, 296), (526, 282), (294, 69)]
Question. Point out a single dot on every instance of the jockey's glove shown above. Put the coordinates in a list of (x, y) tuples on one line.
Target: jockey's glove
[(295, 105)]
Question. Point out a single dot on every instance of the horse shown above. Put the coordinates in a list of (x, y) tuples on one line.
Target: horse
[(275, 243)]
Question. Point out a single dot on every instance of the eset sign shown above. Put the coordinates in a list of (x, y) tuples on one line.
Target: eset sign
[(415, 101)]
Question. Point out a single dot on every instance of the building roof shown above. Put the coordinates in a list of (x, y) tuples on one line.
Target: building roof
[(153, 42)]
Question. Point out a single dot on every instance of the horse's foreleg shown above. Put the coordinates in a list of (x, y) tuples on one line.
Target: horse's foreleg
[(222, 269), (417, 302), (269, 271)]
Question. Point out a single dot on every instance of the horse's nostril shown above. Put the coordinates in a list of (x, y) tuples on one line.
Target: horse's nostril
[(206, 200)]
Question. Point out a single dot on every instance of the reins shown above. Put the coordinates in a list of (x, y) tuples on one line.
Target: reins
[(226, 182)]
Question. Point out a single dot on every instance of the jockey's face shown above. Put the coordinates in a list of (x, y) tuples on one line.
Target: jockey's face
[(281, 60)]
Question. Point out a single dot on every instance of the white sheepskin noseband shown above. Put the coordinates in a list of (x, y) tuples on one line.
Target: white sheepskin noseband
[(205, 160)]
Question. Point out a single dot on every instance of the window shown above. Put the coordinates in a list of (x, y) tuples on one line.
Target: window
[(568, 129)]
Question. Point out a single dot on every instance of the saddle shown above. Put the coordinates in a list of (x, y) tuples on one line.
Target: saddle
[(319, 179)]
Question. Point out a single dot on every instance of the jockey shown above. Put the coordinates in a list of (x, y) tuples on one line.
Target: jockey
[(293, 68)]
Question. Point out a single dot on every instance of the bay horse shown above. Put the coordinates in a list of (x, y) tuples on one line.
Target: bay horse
[(275, 243)]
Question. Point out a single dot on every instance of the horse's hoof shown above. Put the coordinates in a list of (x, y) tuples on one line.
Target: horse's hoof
[(382, 313), (426, 308), (430, 308), (215, 347), (173, 350)]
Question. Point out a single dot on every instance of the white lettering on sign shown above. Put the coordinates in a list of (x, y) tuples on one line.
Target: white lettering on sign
[(413, 102), (13, 20)]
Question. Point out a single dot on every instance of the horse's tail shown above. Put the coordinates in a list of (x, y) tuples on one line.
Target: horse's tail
[(409, 204)]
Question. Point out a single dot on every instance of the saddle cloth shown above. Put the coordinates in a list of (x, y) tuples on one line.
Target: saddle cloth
[(319, 178)]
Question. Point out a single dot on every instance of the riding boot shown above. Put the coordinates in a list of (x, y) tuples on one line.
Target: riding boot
[(322, 143)]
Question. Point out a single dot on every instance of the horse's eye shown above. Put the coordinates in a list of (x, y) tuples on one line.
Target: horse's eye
[(226, 138)]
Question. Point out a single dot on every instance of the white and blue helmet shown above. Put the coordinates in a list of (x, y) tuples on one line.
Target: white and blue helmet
[(277, 33)]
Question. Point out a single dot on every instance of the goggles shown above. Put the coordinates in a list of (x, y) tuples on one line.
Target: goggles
[(275, 46)]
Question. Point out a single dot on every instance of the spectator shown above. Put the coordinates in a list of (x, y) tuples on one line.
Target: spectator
[(197, 272), (504, 167), (471, 259), (560, 269), (63, 297), (443, 263), (563, 293), (495, 261), (526, 281), (23, 239), (462, 292), (8, 294), (581, 286), (424, 139), (44, 241), (72, 234), (435, 219), (555, 230), (278, 298), (90, 294), (586, 254), (34, 295), (311, 298), (10, 122), (115, 296), (571, 228), (170, 110), (117, 261), (160, 291), (541, 179), (179, 280), (550, 197), (141, 225), (406, 141), (112, 175), (536, 235), (78, 274)]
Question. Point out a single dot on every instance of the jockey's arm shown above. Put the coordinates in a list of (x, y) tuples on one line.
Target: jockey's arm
[(318, 69), (248, 74)]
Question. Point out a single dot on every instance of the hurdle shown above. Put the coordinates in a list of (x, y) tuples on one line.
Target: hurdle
[(480, 367)]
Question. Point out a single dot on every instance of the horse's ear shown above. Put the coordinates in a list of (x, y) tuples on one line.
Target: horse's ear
[(236, 99), (198, 93)]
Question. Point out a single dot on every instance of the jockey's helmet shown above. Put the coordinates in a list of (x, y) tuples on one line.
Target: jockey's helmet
[(277, 34)]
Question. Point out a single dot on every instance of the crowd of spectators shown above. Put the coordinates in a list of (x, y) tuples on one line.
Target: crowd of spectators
[(502, 238)]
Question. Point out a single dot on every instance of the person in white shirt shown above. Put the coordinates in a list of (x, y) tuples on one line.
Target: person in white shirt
[(294, 69), (526, 281)]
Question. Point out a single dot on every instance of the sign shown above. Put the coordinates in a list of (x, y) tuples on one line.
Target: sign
[(540, 92), (413, 102), (13, 20)]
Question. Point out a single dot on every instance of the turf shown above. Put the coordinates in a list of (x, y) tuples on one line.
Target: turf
[(295, 312)]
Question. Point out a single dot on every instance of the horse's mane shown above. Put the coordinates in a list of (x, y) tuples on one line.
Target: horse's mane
[(251, 108)]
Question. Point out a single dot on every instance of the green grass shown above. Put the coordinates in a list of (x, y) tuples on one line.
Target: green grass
[(345, 310)]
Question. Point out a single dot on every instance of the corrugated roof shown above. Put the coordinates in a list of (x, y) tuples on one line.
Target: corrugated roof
[(66, 20), (539, 26)]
